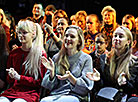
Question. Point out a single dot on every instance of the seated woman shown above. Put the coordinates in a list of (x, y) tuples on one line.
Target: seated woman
[(4, 53), (24, 68), (120, 70), (66, 78)]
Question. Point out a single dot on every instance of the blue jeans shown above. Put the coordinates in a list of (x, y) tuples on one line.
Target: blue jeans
[(63, 98), (5, 99)]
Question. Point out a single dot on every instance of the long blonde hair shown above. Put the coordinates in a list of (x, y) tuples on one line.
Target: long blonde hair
[(33, 60), (119, 64), (62, 59)]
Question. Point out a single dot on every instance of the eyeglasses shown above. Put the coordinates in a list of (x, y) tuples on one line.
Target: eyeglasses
[(22, 32)]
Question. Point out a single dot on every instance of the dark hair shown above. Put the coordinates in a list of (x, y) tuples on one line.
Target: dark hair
[(132, 19), (50, 8), (62, 12), (103, 36)]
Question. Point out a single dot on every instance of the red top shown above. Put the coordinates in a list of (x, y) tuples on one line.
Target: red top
[(27, 88)]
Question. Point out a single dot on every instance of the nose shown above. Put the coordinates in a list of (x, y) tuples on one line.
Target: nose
[(68, 38), (60, 25), (116, 38), (98, 44)]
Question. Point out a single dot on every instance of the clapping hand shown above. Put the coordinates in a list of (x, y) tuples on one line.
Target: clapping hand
[(49, 64), (121, 79), (13, 74), (94, 76), (65, 76)]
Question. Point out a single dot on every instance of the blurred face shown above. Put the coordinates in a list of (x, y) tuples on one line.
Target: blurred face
[(127, 23), (71, 39), (62, 25), (91, 24), (136, 21), (108, 18), (100, 44), (120, 39), (73, 21), (81, 22), (24, 36), (56, 18), (37, 9)]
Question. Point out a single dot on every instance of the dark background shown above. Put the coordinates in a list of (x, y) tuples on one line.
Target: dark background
[(23, 8)]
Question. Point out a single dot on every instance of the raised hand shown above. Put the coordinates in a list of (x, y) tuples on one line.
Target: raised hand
[(48, 28), (13, 74), (94, 76), (121, 79), (49, 64)]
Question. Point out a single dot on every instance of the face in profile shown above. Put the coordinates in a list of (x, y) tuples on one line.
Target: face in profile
[(136, 21), (91, 24), (24, 36), (127, 23)]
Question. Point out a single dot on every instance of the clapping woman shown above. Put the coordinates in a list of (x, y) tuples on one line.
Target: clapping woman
[(66, 78)]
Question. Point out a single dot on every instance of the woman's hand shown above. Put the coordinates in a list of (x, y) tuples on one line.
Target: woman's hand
[(121, 79), (94, 76), (48, 28), (68, 76), (49, 64), (13, 74)]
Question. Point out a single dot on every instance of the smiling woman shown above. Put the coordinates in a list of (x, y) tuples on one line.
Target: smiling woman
[(66, 78), (120, 69), (24, 68)]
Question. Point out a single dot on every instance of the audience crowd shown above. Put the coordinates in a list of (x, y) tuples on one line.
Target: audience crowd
[(51, 57)]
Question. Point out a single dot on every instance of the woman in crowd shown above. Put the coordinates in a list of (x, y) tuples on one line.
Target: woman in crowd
[(120, 70), (80, 17), (5, 24), (92, 29), (51, 45), (109, 23), (66, 78), (4, 52), (49, 12), (129, 22), (24, 68)]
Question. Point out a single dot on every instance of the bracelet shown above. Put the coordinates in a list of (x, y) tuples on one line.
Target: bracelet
[(51, 35)]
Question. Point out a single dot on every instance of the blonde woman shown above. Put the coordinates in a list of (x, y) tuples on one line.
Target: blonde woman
[(120, 70), (109, 23), (5, 23), (66, 78), (24, 68)]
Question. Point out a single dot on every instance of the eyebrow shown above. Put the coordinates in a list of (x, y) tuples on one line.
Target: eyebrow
[(119, 33)]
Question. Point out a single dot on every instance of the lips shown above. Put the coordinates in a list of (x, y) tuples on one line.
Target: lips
[(68, 42)]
